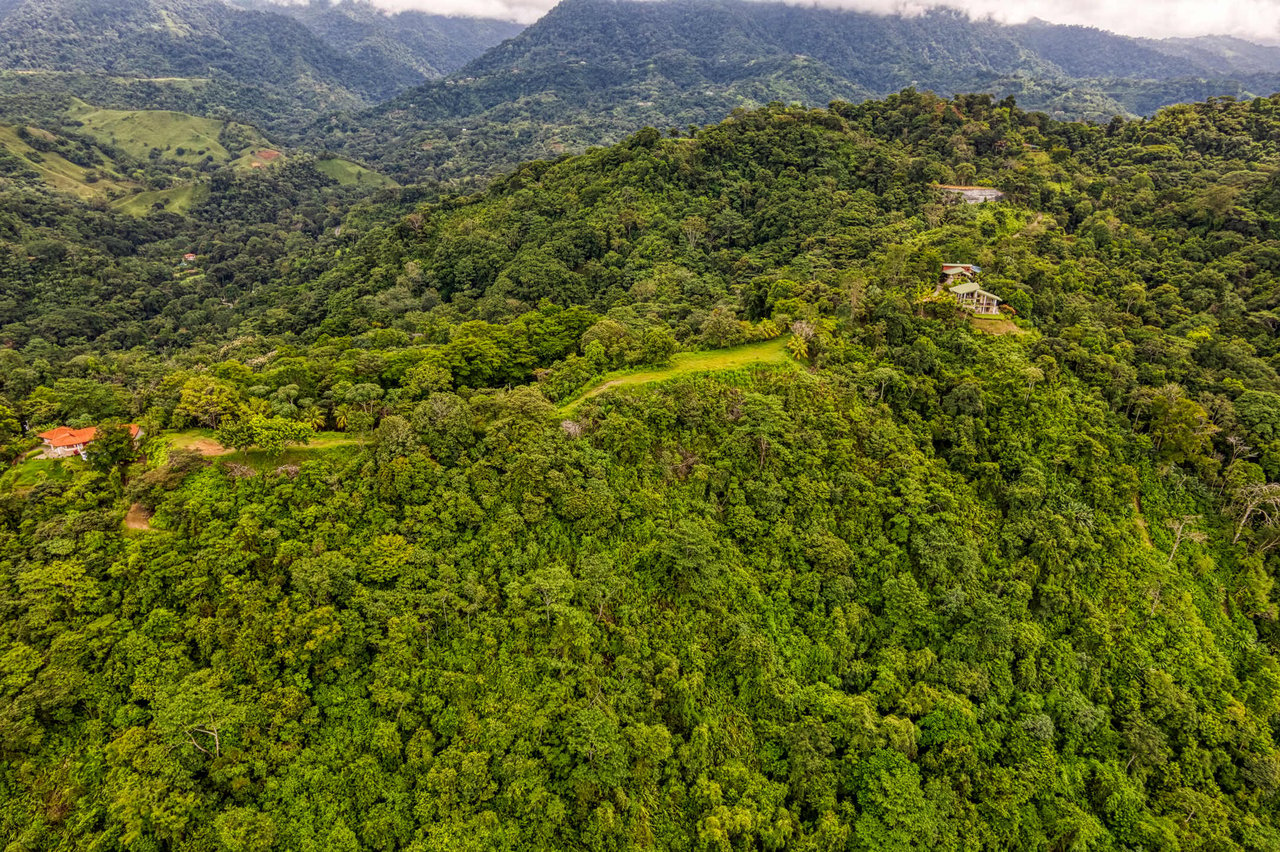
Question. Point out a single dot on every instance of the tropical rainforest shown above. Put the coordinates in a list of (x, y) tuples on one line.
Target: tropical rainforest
[(899, 579), (649, 495)]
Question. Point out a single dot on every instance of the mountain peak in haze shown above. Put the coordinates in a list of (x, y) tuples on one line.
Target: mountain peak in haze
[(591, 71)]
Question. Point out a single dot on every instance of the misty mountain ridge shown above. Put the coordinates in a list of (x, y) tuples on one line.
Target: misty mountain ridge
[(338, 55), (591, 71), (409, 45), (434, 97)]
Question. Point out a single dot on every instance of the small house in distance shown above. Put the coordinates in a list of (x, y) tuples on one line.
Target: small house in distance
[(953, 272), (974, 298), (65, 442), (972, 194)]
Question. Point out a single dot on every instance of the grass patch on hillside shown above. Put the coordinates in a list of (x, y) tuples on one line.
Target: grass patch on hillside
[(179, 199), (262, 462), (995, 325), (182, 137), (32, 472), (205, 442), (62, 174), (183, 84), (706, 361), (347, 173)]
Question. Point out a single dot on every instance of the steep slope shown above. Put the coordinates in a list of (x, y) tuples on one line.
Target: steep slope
[(1223, 54), (182, 38), (1090, 52), (30, 156), (592, 70), (410, 46), (931, 590)]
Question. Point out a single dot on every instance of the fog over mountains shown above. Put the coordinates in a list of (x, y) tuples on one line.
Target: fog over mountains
[(591, 71), (431, 97)]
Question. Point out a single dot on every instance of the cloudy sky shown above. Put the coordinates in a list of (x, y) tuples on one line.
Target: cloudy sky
[(1257, 20)]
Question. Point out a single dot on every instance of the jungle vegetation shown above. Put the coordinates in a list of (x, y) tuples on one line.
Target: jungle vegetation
[(910, 585)]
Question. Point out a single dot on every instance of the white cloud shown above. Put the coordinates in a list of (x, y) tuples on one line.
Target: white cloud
[(523, 11), (1256, 20)]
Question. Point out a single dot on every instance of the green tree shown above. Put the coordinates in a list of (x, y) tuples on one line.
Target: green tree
[(271, 434), (113, 448), (207, 401)]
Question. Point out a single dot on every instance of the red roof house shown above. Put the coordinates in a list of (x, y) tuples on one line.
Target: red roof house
[(64, 441)]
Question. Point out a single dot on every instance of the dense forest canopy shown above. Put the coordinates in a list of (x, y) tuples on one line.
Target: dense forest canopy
[(903, 583)]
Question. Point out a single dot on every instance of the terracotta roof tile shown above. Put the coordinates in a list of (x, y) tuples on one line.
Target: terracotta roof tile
[(65, 436)]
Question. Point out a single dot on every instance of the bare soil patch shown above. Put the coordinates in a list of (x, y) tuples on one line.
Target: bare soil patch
[(207, 447), (139, 518)]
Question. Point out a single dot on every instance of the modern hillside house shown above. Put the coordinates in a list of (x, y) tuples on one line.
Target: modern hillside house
[(65, 442), (975, 299), (953, 272), (972, 194)]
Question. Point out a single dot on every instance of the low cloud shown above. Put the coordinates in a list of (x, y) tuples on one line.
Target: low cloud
[(1255, 20), (505, 10)]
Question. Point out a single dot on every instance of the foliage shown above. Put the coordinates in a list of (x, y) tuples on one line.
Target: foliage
[(113, 449), (919, 587), (592, 71), (271, 434)]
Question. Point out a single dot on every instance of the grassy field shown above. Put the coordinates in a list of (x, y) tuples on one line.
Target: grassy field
[(204, 442), (32, 472), (138, 131), (185, 84), (262, 462), (995, 325), (685, 363), (179, 199), (59, 173), (347, 173)]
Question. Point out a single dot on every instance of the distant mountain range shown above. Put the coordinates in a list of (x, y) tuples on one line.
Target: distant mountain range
[(591, 71), (429, 97), (322, 56), (407, 46)]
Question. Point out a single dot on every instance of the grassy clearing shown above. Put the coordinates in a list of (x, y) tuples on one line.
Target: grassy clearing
[(264, 463), (204, 442), (179, 200), (995, 325), (200, 440), (685, 363), (138, 131), (32, 472), (185, 84), (62, 174), (347, 173)]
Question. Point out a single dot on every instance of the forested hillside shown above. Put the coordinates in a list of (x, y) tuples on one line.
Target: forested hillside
[(177, 38), (592, 71), (912, 585), (275, 66), (412, 45)]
